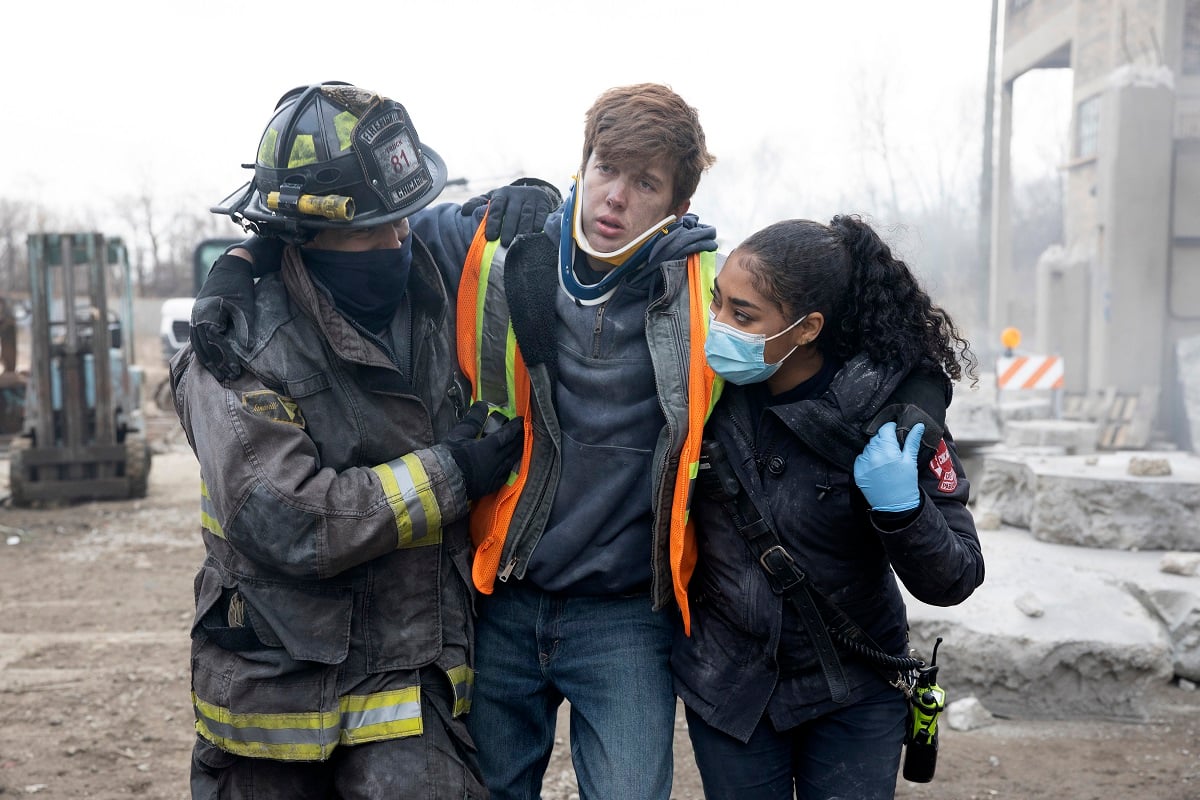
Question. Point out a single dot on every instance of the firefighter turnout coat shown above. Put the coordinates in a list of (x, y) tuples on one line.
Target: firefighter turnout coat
[(336, 576)]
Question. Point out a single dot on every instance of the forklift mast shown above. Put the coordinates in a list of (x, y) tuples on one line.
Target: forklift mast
[(83, 433)]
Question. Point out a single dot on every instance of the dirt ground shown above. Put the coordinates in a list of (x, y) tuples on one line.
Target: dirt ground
[(95, 605)]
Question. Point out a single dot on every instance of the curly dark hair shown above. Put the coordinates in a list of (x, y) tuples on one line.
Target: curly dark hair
[(871, 301)]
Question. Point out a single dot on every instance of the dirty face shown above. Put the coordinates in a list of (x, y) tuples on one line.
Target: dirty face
[(620, 202), (359, 240)]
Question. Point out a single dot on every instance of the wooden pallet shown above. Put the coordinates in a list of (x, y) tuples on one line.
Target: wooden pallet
[(1126, 420)]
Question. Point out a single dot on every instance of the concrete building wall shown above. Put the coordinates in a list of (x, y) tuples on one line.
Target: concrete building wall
[(1031, 19), (1091, 54), (1081, 206), (1131, 245), (1035, 35), (1184, 294), (1064, 281), (1130, 285)]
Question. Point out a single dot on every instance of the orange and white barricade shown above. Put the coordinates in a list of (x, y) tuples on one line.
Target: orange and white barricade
[(1029, 372)]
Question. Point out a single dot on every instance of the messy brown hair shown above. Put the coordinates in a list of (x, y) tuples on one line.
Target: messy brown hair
[(648, 121)]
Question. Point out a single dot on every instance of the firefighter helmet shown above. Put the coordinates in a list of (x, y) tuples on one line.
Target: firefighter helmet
[(335, 155)]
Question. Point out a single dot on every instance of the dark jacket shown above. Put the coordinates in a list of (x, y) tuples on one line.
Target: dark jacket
[(334, 526), (748, 654), (596, 472)]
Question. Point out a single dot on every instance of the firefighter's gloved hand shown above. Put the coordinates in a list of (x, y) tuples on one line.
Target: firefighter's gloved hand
[(485, 462), (520, 207), (224, 308), (887, 474), (266, 253)]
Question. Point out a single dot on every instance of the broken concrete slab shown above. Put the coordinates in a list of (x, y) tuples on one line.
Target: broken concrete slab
[(972, 417), (1113, 626), (1095, 501), (1075, 437)]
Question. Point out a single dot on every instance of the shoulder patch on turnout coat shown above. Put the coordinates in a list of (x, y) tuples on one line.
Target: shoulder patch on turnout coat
[(943, 467), (273, 406)]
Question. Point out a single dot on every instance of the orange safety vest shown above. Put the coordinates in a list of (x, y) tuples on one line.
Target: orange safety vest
[(489, 356)]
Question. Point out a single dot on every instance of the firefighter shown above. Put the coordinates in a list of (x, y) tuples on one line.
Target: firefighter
[(332, 639)]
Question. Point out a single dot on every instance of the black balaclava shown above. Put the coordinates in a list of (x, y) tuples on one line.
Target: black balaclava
[(366, 287)]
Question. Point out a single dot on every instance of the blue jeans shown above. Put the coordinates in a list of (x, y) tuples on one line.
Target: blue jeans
[(608, 658), (852, 753)]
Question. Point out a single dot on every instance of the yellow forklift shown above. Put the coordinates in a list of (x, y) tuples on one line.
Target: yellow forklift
[(84, 435)]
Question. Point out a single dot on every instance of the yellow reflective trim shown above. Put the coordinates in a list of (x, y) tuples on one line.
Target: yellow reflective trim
[(312, 736), (495, 347), (510, 376), (432, 511), (276, 752), (708, 273), (303, 151), (397, 729), (485, 270), (302, 736), (355, 703), (344, 124), (409, 493), (208, 521), (462, 680), (383, 715), (292, 720), (266, 148)]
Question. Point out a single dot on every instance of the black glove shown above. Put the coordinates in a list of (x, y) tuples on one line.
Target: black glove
[(485, 463), (266, 253), (224, 306), (520, 207)]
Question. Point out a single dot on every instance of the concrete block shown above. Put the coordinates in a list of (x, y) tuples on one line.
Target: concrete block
[(1095, 650), (1006, 486), (1075, 437), (1022, 406), (973, 417), (1093, 501)]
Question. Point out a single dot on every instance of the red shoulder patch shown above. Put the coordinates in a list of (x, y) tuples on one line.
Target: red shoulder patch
[(943, 467)]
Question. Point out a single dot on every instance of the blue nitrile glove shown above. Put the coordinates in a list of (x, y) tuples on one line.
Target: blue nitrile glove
[(224, 306), (520, 207), (887, 474), (484, 460)]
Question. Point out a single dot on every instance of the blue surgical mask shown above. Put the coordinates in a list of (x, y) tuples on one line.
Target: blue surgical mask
[(737, 356)]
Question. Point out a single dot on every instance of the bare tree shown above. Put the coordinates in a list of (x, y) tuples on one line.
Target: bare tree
[(14, 221), (876, 149)]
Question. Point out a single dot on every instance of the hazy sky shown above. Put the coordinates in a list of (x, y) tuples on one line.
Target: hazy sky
[(118, 99)]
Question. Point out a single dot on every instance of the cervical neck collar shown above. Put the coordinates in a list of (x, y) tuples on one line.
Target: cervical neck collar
[(625, 260)]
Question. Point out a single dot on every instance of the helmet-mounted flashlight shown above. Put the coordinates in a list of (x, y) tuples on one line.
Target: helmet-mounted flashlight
[(337, 207)]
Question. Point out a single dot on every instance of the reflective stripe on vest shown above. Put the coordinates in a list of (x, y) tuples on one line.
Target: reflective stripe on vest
[(410, 495), (489, 357), (704, 389), (312, 736)]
